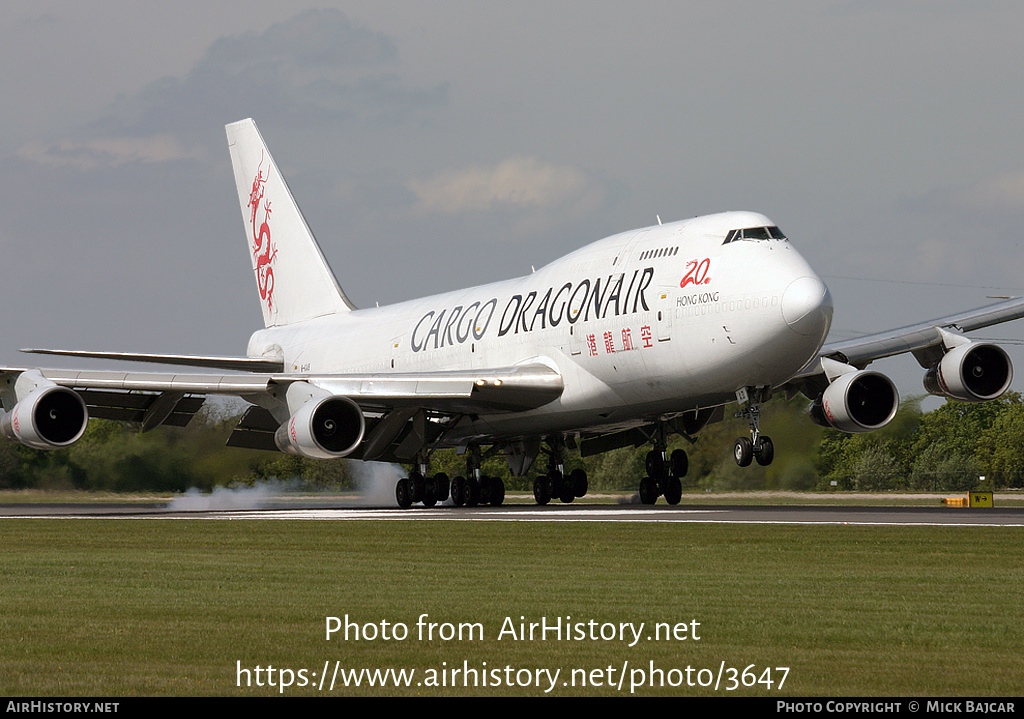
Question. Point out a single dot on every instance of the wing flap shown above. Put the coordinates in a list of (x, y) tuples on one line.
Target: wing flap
[(136, 407), (255, 430), (239, 364)]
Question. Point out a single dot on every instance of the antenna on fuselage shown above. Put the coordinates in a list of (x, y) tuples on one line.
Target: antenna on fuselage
[(658, 218)]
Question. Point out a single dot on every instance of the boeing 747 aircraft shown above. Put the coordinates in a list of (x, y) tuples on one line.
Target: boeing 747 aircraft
[(621, 343)]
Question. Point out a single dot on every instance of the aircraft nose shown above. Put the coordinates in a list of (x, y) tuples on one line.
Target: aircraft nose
[(807, 306)]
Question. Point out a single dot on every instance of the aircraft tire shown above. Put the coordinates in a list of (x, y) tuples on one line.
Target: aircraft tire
[(442, 486), (743, 451), (679, 463), (764, 451), (416, 486), (472, 492), (648, 491), (541, 490), (429, 494), (654, 463), (403, 493), (497, 492), (459, 491), (578, 478), (673, 490), (555, 482)]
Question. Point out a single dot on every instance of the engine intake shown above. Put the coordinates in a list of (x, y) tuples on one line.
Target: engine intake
[(328, 428), (860, 401), (47, 418), (974, 372)]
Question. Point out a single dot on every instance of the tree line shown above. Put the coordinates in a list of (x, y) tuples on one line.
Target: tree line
[(946, 449)]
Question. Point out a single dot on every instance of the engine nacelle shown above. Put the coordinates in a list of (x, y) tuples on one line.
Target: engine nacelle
[(860, 401), (49, 417), (974, 372), (327, 428)]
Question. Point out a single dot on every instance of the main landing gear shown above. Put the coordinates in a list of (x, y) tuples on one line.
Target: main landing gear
[(555, 483), (664, 475), (664, 471), (758, 447), (476, 489), (420, 487)]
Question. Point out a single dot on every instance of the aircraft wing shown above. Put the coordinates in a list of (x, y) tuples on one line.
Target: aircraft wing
[(924, 340), (518, 388)]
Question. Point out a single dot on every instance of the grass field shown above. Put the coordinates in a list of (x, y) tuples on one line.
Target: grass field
[(144, 607)]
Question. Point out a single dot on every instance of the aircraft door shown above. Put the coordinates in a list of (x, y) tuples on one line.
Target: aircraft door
[(575, 340), (664, 315)]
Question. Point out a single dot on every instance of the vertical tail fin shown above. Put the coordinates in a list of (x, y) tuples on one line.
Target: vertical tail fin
[(293, 278)]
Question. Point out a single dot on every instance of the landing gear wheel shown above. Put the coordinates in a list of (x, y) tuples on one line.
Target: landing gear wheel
[(561, 486), (567, 494), (403, 493), (555, 482), (459, 491), (429, 495), (578, 479), (673, 490), (541, 490), (486, 486), (472, 492), (764, 451), (654, 463), (679, 463), (743, 451), (497, 492), (416, 486), (442, 486), (648, 491)]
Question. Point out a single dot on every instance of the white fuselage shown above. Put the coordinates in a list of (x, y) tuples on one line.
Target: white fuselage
[(643, 324)]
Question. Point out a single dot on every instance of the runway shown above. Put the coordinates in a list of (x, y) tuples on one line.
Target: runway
[(721, 514)]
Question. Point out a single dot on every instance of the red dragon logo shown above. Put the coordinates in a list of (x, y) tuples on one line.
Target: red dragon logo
[(264, 252)]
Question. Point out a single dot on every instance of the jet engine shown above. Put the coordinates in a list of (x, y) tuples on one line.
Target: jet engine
[(973, 372), (49, 417), (327, 428), (860, 401)]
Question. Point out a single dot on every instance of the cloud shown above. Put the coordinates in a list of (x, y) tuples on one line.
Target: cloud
[(1002, 193), (100, 152), (312, 40), (515, 183), (314, 70)]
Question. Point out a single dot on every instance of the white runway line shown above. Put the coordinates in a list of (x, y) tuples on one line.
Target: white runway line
[(523, 513)]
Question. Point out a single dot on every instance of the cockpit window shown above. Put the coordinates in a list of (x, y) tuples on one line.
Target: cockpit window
[(755, 233)]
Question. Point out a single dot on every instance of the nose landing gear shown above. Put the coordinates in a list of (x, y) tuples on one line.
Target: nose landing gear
[(758, 447)]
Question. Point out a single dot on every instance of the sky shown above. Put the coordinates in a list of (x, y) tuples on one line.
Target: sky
[(436, 145)]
